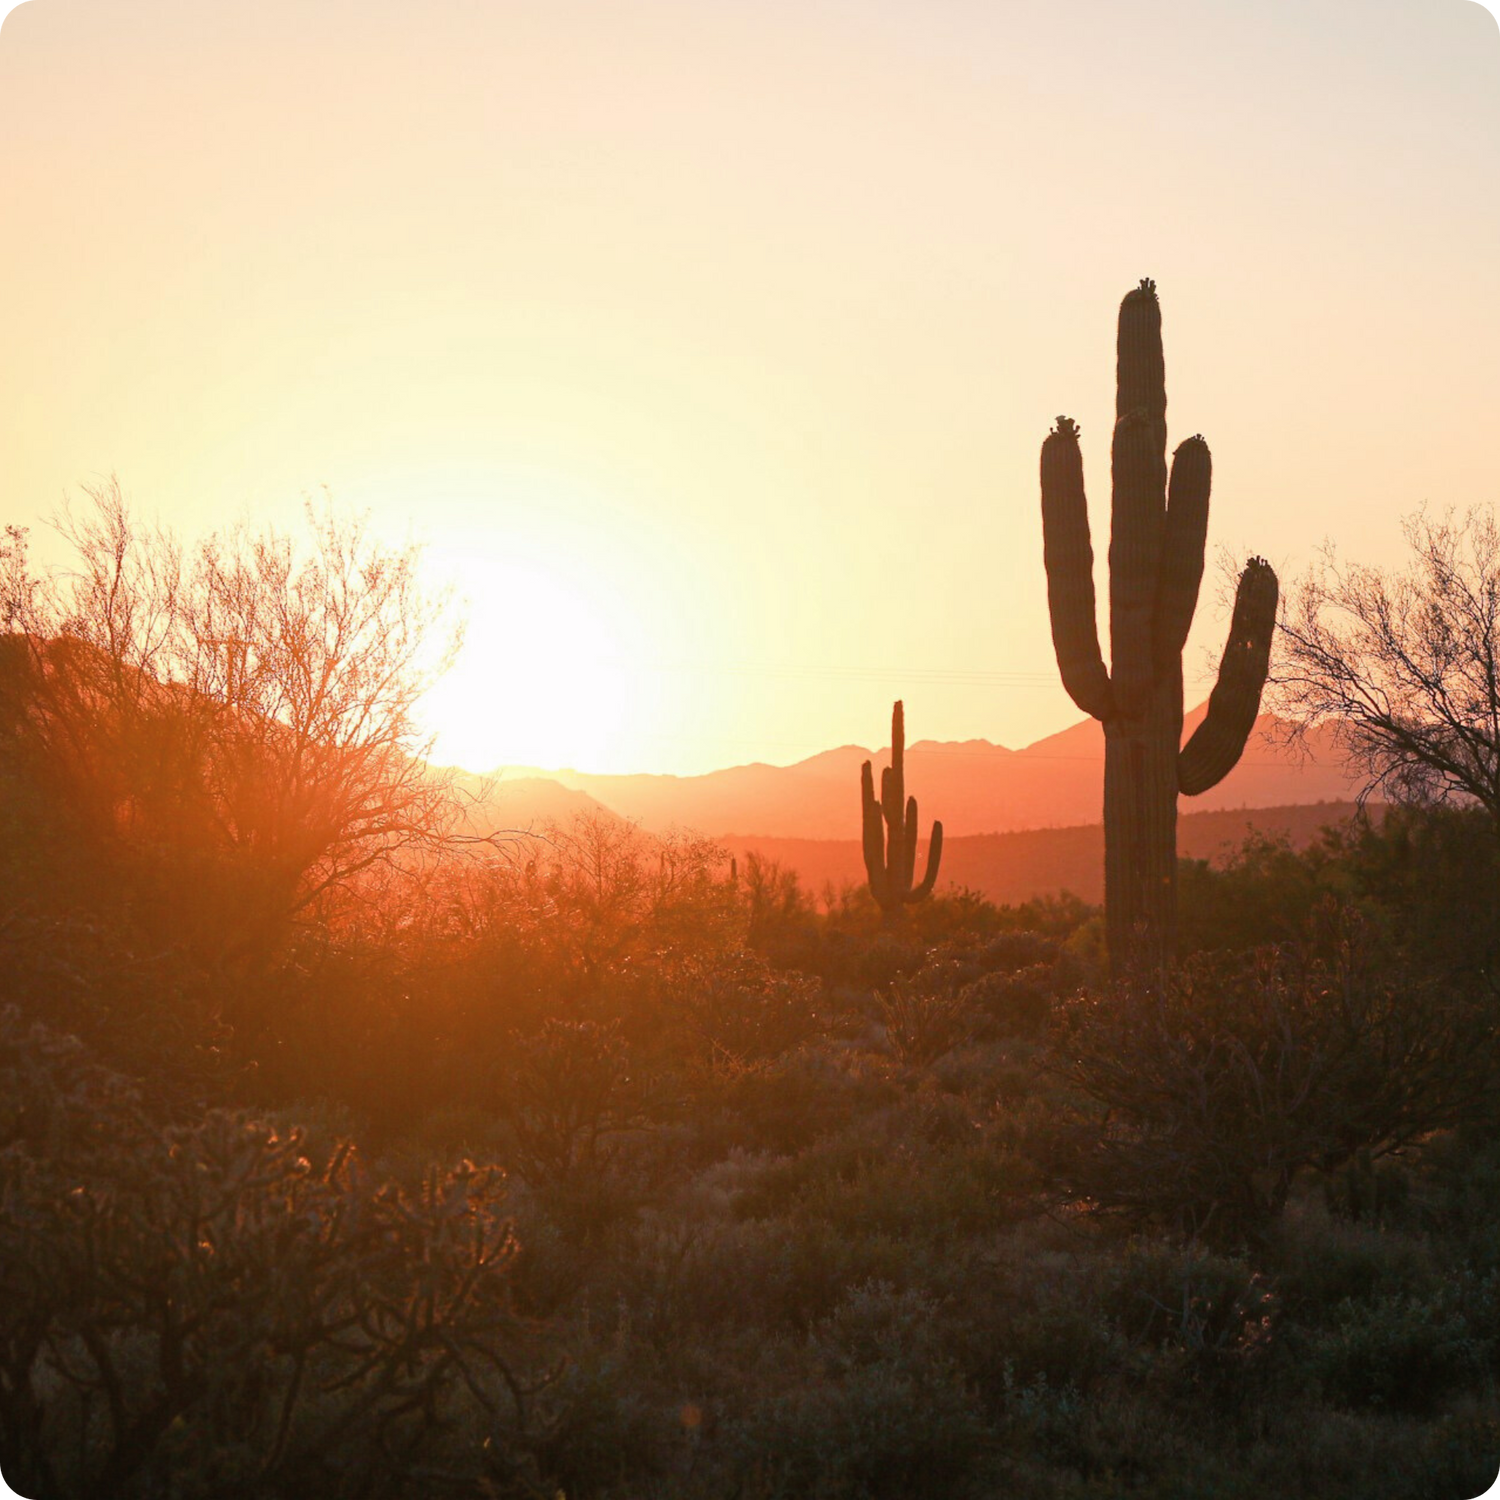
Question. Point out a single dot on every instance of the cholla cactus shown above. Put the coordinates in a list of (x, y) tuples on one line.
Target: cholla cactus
[(891, 849), (1157, 531)]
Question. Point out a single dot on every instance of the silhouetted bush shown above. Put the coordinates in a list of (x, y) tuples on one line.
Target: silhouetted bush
[(1404, 1354), (1433, 875), (1223, 1080), (740, 1011), (570, 1099), (1262, 894), (924, 1017), (1426, 879)]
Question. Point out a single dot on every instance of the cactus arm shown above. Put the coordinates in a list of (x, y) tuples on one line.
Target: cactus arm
[(891, 810), (874, 835), (934, 859), (1184, 535), (1069, 560), (1210, 755), (909, 868)]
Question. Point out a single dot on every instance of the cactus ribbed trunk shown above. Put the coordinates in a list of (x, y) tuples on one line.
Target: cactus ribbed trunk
[(1140, 818), (1159, 524)]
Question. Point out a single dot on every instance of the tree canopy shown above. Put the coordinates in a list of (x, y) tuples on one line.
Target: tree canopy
[(1402, 663), (235, 719)]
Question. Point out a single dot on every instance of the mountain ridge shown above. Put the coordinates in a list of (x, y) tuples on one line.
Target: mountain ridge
[(975, 787)]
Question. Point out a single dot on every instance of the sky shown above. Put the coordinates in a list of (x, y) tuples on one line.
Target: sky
[(708, 347)]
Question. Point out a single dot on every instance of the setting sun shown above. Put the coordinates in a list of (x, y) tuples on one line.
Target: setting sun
[(542, 678)]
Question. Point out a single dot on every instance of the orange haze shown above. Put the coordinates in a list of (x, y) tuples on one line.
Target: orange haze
[(710, 346)]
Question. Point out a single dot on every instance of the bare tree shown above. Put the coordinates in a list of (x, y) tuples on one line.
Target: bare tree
[(241, 712), (1402, 665)]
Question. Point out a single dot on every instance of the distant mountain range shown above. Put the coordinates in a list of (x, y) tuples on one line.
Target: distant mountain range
[(1013, 867), (976, 788)]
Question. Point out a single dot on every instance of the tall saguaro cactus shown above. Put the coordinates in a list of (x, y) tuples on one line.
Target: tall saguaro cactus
[(1158, 524), (890, 827)]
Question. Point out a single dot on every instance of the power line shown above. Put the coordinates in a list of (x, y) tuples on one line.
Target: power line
[(940, 676)]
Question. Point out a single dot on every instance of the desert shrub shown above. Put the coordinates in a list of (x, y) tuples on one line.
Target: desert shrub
[(569, 1098), (1336, 1454), (1366, 1189), (925, 1016), (1009, 951), (878, 960), (1433, 873), (862, 1189), (201, 1303), (875, 1321), (1263, 894), (776, 1275), (793, 1102), (1426, 879), (845, 948), (1213, 1313), (218, 742), (1001, 1072), (1043, 1420), (886, 1413), (879, 1432), (1016, 1003), (1320, 1264), (1223, 1080), (1458, 1455), (741, 1011), (1463, 1188), (569, 1234), (1056, 1345), (1021, 1319), (966, 917), (595, 1435), (145, 1011), (1399, 1354), (598, 892)]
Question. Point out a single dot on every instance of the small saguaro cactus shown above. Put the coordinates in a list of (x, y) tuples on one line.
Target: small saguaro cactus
[(890, 826), (1158, 524)]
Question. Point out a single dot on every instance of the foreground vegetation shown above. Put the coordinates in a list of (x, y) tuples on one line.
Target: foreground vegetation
[(346, 1150), (671, 1185)]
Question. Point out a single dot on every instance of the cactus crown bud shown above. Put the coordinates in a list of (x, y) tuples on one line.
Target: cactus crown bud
[(1066, 427), (1148, 286)]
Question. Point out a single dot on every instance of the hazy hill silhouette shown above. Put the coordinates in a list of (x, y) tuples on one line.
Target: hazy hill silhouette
[(973, 786), (1014, 867), (524, 804)]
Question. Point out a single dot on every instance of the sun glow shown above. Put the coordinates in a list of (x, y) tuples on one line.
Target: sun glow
[(543, 677)]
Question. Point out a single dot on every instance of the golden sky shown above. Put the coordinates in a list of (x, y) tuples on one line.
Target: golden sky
[(710, 345)]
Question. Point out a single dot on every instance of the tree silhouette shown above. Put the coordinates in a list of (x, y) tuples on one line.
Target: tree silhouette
[(1404, 665)]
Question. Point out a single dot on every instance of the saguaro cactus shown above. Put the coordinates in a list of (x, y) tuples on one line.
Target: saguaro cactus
[(1158, 524), (890, 826)]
